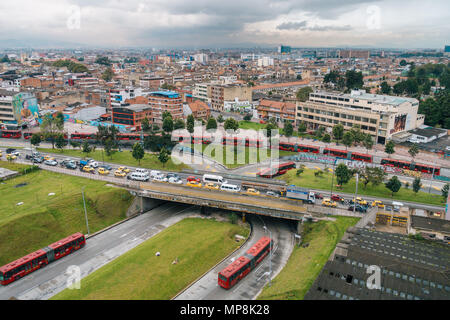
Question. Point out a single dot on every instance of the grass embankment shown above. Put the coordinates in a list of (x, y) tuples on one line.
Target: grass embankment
[(238, 157), (198, 244), (308, 180), (12, 165), (305, 264), (125, 157), (43, 219)]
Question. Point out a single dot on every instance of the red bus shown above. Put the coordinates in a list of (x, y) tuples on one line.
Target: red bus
[(82, 136), (304, 148), (396, 163), (277, 170), (129, 136), (427, 169), (229, 276), (11, 134), (362, 157), (336, 153), (40, 258), (27, 135)]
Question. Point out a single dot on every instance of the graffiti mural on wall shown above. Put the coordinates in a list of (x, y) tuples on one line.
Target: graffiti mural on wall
[(25, 107)]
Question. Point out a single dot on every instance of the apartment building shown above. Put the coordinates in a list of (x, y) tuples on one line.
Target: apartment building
[(202, 91), (199, 109), (161, 101), (229, 92), (131, 115), (279, 110), (118, 96), (381, 116), (6, 107)]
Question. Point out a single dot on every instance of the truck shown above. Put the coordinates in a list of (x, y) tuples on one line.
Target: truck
[(303, 194)]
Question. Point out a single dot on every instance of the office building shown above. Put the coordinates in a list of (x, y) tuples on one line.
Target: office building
[(162, 101)]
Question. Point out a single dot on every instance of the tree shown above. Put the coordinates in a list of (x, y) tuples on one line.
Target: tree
[(138, 152), (109, 147), (353, 79), (163, 156), (86, 148), (60, 142), (145, 124), (231, 124), (303, 94), (338, 131), (300, 170), (51, 127), (319, 132), (394, 185), (167, 124), (103, 60), (35, 139), (190, 123), (220, 119), (343, 174), (212, 124), (385, 88), (248, 117), (179, 124), (358, 135), (403, 63), (414, 150), (444, 191), (348, 139), (288, 129), (368, 142), (390, 147), (417, 184), (302, 127), (166, 114), (269, 128), (326, 138), (108, 74), (75, 144)]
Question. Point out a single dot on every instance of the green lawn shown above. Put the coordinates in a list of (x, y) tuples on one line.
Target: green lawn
[(308, 180), (259, 126), (125, 157), (198, 244), (239, 159), (12, 165), (43, 219), (305, 264)]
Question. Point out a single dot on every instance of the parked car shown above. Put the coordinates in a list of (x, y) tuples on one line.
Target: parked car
[(51, 162)]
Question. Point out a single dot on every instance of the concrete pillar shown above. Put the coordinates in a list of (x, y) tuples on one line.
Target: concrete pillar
[(141, 204), (243, 217), (299, 227)]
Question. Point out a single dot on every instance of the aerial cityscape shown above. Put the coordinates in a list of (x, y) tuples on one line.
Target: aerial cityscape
[(208, 151)]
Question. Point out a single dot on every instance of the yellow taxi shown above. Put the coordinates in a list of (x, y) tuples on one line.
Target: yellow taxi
[(377, 203), (103, 171), (360, 201), (194, 184), (211, 186), (123, 169), (328, 203), (88, 169), (252, 191), (11, 157), (47, 157), (0, 153), (119, 173)]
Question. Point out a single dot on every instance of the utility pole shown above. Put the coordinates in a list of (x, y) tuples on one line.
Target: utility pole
[(431, 181), (332, 178), (85, 212), (356, 192)]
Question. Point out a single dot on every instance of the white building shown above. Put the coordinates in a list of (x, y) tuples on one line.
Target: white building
[(201, 58), (265, 62)]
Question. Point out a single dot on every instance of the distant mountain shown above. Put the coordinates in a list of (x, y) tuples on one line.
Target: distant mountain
[(37, 43)]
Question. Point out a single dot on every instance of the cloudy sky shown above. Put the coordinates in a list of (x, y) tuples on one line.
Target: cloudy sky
[(225, 23)]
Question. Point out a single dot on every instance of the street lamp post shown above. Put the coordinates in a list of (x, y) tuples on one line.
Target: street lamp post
[(356, 193), (270, 255), (332, 178), (85, 212)]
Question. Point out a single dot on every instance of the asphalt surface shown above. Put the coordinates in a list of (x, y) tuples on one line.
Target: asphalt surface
[(99, 250), (249, 287)]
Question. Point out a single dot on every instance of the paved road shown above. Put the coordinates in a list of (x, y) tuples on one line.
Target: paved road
[(99, 250), (250, 286)]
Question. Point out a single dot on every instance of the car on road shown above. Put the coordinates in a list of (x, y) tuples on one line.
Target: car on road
[(47, 157), (138, 176), (1, 153), (51, 162), (327, 202), (318, 195), (119, 173), (252, 192), (107, 167), (358, 208), (93, 164), (159, 178), (211, 186), (71, 165), (11, 157), (172, 175), (103, 171), (378, 203), (37, 159), (337, 198), (192, 178), (123, 169), (175, 180), (88, 169), (194, 184), (359, 201), (272, 194)]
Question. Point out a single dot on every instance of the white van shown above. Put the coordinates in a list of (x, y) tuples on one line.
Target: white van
[(230, 187), (139, 176), (141, 171), (213, 178), (154, 173)]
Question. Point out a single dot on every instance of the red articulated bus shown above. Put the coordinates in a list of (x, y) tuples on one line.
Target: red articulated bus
[(129, 136), (362, 157), (232, 274), (11, 134), (40, 258), (336, 153), (277, 170), (82, 136)]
